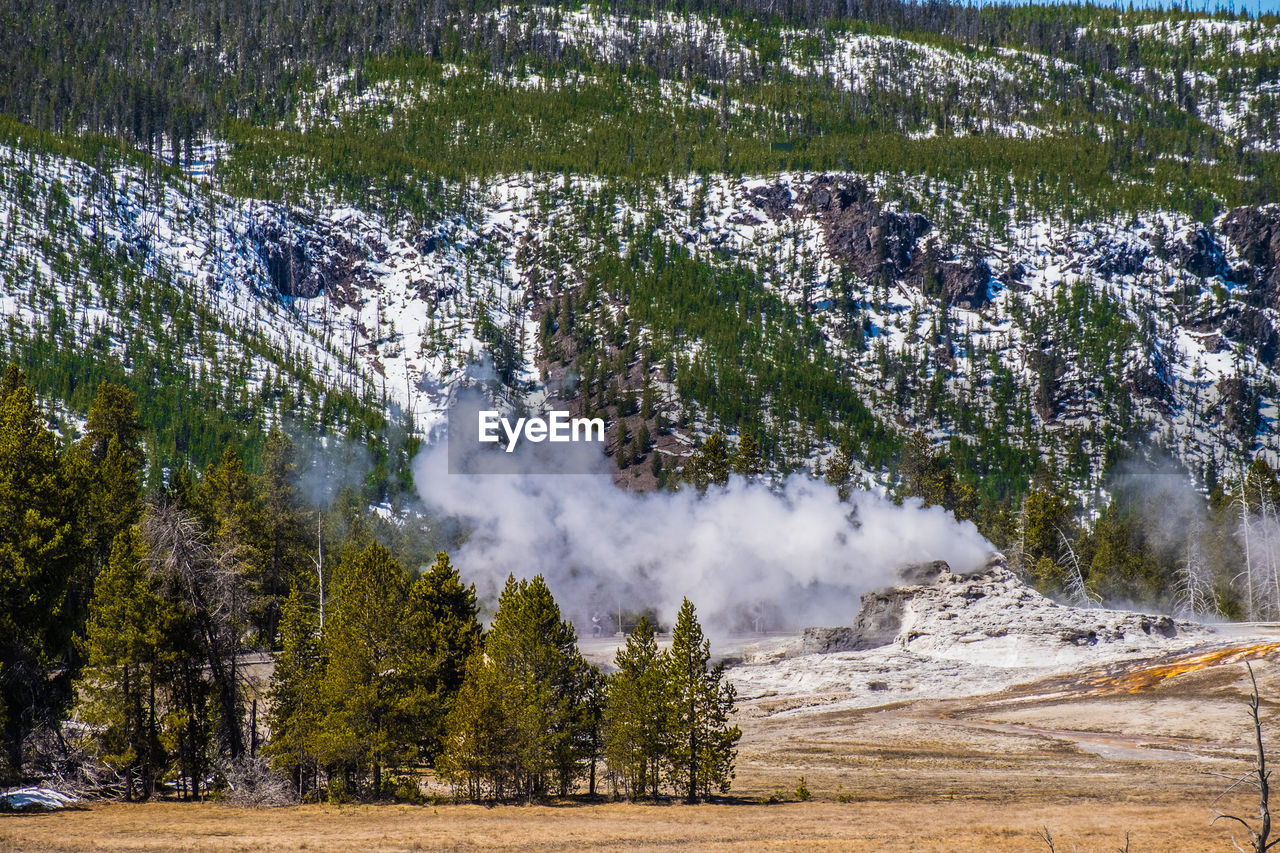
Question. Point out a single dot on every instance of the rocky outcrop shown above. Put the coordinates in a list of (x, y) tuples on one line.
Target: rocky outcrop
[(1254, 232), (774, 201), (860, 233), (288, 261), (1013, 275), (1147, 384), (306, 257), (1252, 328), (878, 244), (1200, 255), (1238, 407), (1120, 258), (965, 285), (821, 641), (879, 613)]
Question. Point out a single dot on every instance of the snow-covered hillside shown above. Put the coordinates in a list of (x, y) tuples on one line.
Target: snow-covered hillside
[(395, 309), (1000, 308)]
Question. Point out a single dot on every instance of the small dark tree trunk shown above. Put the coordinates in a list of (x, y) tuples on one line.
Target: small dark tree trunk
[(13, 746), (153, 740), (693, 748)]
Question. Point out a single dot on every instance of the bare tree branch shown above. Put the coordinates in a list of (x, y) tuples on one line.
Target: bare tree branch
[(209, 577), (1260, 777)]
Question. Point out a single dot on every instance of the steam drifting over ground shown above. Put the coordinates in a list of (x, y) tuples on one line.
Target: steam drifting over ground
[(748, 556)]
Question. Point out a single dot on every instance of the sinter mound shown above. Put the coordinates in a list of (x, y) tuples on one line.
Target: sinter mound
[(988, 613)]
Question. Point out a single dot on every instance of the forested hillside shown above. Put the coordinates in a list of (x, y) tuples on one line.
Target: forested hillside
[(1020, 262)]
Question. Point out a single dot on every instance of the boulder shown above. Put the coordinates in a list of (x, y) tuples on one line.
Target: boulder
[(965, 285), (774, 201), (1201, 256)]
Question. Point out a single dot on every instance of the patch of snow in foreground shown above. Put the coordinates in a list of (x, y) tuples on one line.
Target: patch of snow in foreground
[(35, 799)]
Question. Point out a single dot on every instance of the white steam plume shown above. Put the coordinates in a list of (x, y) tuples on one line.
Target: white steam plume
[(746, 555)]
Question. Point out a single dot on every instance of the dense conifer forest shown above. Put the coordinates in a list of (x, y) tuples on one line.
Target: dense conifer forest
[(134, 614)]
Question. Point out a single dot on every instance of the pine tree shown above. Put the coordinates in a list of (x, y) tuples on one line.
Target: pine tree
[(1044, 525), (840, 472), (38, 550), (441, 632), (919, 469), (747, 461), (643, 442), (296, 706), (104, 469), (635, 741), (541, 729), (710, 464), (1122, 568), (478, 735), (283, 530), (232, 511), (590, 733), (699, 702), (715, 459), (647, 399), (543, 677), (113, 415), (363, 643), (622, 446), (125, 645)]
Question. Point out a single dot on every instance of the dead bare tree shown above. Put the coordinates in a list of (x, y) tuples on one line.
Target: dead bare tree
[(318, 560), (1259, 777), (1194, 593), (209, 577), (1076, 588)]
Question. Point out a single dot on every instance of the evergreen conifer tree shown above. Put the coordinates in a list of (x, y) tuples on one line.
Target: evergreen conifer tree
[(125, 647), (441, 631), (840, 472), (363, 644), (104, 469), (38, 550), (635, 713), (283, 535), (699, 702), (476, 756), (533, 683), (747, 461), (710, 464), (296, 705), (542, 675)]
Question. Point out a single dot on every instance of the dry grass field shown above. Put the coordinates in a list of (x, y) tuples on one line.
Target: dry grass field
[(1088, 758), (937, 825)]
